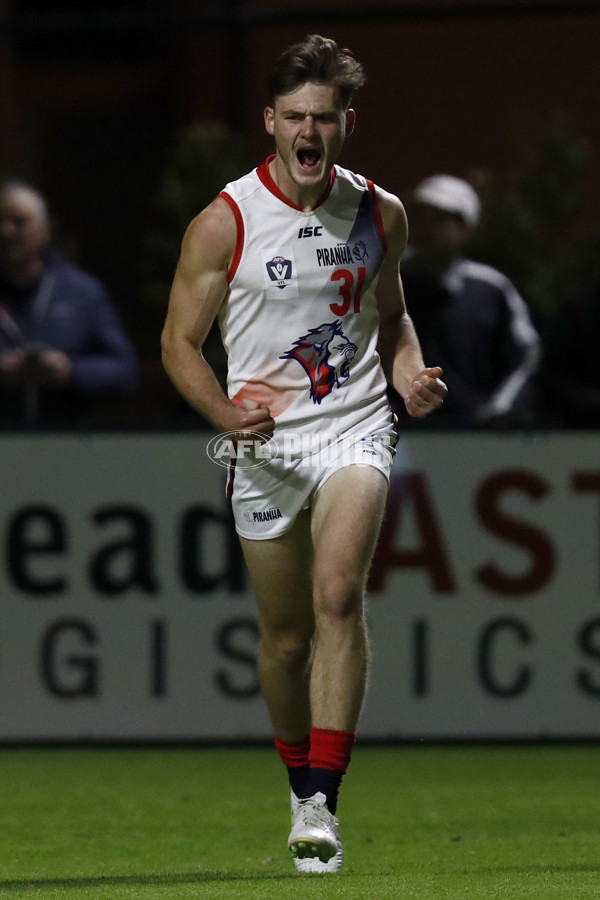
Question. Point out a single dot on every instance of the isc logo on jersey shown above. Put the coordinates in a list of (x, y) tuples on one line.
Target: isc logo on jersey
[(280, 273), (310, 231)]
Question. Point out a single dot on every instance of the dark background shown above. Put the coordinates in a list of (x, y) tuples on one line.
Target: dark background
[(95, 96)]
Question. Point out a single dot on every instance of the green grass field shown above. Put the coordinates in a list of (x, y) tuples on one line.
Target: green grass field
[(431, 822)]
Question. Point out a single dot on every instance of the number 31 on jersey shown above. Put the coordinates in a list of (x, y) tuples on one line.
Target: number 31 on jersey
[(350, 290)]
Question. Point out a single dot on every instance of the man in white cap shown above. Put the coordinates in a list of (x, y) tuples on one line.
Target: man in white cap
[(469, 316)]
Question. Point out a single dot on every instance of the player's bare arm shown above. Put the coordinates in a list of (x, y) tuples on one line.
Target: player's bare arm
[(199, 288), (420, 386)]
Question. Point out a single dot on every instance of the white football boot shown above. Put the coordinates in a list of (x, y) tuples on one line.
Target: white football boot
[(314, 840)]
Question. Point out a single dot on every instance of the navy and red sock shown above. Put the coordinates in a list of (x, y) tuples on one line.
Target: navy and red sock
[(318, 763), (295, 758)]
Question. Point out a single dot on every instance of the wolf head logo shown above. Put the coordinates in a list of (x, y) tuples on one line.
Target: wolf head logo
[(325, 354)]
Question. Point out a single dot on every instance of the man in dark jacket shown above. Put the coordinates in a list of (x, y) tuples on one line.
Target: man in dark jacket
[(469, 317), (61, 342)]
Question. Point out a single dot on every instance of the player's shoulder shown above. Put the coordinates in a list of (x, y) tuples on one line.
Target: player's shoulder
[(244, 187), (393, 217), (390, 203), (213, 232), (221, 213), (390, 208), (362, 183)]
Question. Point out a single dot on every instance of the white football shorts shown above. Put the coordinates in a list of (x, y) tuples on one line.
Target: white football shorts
[(267, 496)]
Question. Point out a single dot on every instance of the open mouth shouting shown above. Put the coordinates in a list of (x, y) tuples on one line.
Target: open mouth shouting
[(308, 159)]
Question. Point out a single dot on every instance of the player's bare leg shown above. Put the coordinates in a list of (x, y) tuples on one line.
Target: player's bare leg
[(293, 591), (345, 525), (346, 520), (281, 575), (293, 594)]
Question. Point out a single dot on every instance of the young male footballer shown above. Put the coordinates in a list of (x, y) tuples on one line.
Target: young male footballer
[(298, 261)]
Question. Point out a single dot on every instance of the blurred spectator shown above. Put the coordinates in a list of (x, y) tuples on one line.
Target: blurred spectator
[(570, 375), (469, 317), (62, 346)]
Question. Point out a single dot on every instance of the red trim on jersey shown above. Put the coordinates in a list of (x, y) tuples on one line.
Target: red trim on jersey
[(264, 173), (239, 242), (377, 212)]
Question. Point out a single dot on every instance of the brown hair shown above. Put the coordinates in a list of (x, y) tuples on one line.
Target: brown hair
[(317, 59)]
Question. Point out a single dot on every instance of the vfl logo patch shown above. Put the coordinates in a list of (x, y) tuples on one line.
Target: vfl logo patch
[(280, 273), (325, 354), (280, 270)]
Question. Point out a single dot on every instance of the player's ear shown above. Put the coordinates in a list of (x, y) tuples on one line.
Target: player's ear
[(269, 119), (350, 121)]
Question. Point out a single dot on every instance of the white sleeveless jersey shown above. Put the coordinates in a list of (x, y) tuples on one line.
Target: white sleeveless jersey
[(300, 322)]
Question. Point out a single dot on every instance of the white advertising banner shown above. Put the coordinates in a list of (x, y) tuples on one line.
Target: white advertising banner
[(125, 612)]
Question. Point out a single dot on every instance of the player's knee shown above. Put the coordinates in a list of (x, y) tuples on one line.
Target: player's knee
[(339, 599), (289, 648)]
